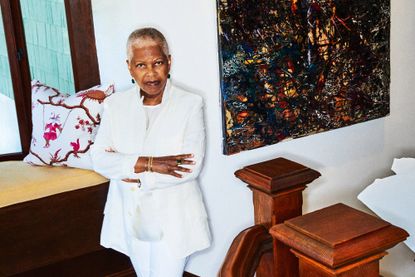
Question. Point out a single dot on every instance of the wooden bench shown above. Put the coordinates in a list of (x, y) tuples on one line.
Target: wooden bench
[(50, 223)]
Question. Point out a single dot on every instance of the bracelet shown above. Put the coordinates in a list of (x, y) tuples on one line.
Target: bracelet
[(151, 164), (148, 164)]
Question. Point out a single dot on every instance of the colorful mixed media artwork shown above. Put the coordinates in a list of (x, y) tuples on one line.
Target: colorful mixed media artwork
[(291, 68)]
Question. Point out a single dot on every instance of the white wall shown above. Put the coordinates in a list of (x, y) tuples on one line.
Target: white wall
[(348, 159)]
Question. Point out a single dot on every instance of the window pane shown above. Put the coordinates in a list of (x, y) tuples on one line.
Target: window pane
[(9, 130), (47, 42)]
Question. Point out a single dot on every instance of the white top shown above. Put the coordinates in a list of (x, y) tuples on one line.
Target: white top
[(151, 114), (148, 229)]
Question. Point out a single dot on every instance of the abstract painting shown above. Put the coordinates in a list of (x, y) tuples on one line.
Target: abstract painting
[(291, 68)]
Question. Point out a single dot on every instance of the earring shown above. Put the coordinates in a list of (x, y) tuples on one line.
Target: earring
[(132, 81), (168, 76)]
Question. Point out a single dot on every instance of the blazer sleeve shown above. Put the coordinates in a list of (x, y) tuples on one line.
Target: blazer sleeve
[(112, 165), (193, 143)]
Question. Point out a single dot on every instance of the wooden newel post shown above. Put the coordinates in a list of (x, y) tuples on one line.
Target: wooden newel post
[(338, 241), (277, 187)]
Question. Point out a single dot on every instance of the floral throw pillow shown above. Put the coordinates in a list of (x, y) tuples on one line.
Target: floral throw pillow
[(64, 126)]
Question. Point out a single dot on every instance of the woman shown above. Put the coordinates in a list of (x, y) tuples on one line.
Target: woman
[(151, 145)]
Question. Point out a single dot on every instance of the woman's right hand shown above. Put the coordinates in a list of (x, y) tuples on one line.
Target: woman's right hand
[(170, 165)]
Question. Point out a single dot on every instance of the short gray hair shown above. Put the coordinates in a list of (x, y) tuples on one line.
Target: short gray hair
[(146, 33)]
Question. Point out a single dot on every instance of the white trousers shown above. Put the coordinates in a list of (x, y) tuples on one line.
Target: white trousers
[(152, 259)]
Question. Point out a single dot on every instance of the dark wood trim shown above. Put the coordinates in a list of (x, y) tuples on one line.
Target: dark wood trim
[(82, 40), (12, 157), (104, 262), (245, 253), (125, 273), (13, 27)]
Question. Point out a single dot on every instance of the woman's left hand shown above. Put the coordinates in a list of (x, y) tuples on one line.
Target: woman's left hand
[(172, 165)]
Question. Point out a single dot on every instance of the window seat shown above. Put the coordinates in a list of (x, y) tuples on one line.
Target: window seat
[(50, 223), (20, 182)]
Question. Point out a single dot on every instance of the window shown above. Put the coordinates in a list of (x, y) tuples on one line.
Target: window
[(47, 43), (10, 139), (33, 45)]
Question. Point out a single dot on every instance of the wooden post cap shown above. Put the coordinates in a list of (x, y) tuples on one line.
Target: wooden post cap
[(276, 175), (338, 235)]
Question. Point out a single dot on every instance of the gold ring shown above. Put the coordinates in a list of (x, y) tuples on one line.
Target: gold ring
[(179, 161)]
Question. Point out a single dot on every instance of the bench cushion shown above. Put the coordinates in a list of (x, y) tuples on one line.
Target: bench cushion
[(20, 182)]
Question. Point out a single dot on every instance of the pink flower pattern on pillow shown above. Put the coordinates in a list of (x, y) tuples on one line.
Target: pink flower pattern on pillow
[(66, 124), (51, 132)]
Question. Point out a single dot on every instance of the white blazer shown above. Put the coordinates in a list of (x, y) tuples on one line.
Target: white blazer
[(164, 207)]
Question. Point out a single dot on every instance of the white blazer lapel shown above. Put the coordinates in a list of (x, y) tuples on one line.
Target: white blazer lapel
[(131, 127)]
